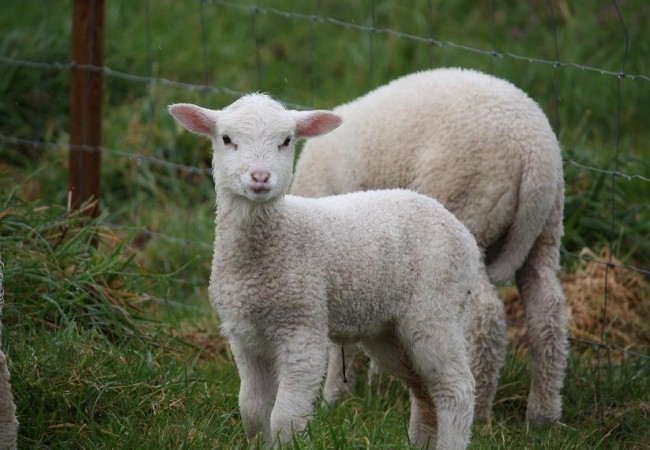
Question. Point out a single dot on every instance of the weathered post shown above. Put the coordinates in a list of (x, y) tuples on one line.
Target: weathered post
[(86, 102)]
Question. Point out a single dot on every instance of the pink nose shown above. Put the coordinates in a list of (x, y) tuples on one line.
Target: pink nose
[(260, 176)]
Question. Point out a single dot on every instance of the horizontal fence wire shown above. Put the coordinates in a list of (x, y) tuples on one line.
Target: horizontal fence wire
[(139, 158), (112, 73), (143, 158), (255, 9)]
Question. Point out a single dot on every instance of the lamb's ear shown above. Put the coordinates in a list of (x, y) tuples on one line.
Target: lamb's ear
[(315, 123), (194, 118)]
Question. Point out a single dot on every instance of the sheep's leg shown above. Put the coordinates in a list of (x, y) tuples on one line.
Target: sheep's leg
[(487, 344), (389, 355), (335, 388), (8, 421), (438, 352), (257, 391), (300, 363), (547, 321)]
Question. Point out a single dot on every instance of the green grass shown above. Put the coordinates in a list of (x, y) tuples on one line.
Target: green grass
[(116, 346)]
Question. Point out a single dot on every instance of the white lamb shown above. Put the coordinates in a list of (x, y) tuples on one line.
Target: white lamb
[(486, 151), (391, 270)]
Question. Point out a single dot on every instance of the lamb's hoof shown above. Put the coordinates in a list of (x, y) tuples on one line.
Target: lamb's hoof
[(482, 416), (543, 413), (484, 429), (333, 396)]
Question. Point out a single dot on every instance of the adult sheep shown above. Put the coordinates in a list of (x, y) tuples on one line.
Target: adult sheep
[(486, 151), (291, 273)]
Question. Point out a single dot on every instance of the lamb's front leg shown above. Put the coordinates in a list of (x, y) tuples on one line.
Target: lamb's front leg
[(301, 363), (257, 390)]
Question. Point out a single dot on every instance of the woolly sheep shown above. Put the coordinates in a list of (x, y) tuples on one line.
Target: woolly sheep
[(391, 270), (486, 151), (8, 421)]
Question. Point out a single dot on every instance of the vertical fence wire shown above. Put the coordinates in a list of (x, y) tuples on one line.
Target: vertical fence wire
[(431, 32), (204, 45), (493, 31), (150, 109), (312, 51), (256, 39), (41, 75), (612, 231), (206, 69), (556, 88), (371, 46)]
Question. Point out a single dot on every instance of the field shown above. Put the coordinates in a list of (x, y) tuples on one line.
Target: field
[(110, 338)]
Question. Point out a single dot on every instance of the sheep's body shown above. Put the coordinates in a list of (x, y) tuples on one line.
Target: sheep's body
[(8, 421), (486, 151), (391, 270)]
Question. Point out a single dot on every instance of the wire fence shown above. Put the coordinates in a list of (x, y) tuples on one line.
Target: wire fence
[(319, 25)]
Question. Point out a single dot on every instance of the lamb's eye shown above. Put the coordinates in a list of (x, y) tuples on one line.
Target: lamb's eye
[(286, 141), (226, 139)]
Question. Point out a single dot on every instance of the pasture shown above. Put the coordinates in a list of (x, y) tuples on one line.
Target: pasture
[(110, 338)]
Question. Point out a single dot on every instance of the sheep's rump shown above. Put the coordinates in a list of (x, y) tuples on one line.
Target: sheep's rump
[(474, 142)]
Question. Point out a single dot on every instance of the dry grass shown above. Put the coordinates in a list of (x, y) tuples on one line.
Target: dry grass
[(627, 316)]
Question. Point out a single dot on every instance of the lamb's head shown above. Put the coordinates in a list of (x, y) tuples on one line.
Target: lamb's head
[(253, 142)]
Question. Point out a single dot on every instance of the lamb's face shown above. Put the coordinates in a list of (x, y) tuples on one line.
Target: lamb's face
[(254, 150), (254, 142)]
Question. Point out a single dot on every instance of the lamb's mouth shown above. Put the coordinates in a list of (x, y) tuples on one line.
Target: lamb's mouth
[(259, 193)]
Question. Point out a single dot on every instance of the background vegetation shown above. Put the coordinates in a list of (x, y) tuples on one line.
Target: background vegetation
[(116, 346)]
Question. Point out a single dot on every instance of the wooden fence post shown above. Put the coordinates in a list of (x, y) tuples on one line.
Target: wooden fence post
[(86, 102)]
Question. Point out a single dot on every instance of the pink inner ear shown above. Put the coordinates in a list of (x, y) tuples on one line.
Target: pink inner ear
[(317, 123), (193, 118)]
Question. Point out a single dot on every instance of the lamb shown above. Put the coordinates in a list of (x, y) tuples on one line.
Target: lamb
[(486, 151), (391, 270), (8, 421)]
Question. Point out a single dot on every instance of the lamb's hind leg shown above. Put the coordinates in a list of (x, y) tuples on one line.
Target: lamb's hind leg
[(391, 357), (335, 388), (546, 318), (438, 353)]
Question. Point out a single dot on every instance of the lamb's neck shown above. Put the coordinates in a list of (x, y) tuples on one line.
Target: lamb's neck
[(243, 214)]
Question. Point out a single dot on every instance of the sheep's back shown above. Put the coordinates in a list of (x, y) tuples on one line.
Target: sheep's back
[(460, 136)]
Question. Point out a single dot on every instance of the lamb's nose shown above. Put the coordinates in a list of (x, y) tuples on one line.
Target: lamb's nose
[(260, 176)]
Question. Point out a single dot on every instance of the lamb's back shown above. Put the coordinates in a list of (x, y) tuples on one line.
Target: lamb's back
[(377, 248)]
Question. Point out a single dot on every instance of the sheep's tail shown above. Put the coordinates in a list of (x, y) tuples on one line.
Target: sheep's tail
[(536, 197)]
